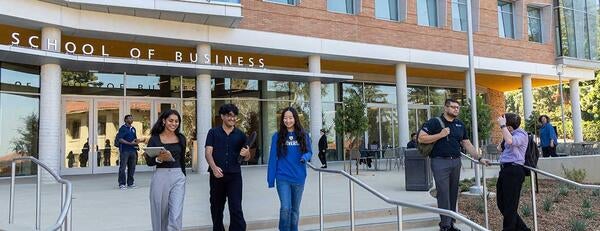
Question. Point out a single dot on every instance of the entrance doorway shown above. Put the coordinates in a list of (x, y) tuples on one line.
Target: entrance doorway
[(383, 127), (417, 115)]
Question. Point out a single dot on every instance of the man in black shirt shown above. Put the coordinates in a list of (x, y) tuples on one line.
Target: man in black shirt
[(323, 148), (223, 146), (445, 156)]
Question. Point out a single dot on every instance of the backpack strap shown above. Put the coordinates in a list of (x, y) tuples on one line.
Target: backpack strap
[(441, 122)]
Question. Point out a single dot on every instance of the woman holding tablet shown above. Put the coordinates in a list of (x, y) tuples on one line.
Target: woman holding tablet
[(167, 188)]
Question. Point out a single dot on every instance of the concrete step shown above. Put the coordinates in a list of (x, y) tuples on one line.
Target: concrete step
[(4, 226)]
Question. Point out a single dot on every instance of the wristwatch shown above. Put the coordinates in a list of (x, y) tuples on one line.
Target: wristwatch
[(502, 126), (157, 161)]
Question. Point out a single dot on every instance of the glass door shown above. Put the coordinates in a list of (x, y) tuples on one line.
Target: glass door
[(77, 128), (143, 118), (108, 115), (383, 127), (417, 115)]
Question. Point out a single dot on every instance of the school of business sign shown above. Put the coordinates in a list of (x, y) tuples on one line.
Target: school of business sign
[(136, 53)]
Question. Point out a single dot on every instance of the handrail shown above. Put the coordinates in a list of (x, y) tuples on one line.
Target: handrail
[(66, 195), (446, 212), (533, 185)]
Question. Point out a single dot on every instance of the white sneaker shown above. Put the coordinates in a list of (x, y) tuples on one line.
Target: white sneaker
[(122, 187), (133, 186)]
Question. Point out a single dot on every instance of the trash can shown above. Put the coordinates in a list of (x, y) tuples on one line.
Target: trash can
[(417, 171)]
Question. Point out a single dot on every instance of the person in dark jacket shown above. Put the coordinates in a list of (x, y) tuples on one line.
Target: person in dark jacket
[(323, 148), (548, 139), (290, 150), (413, 141), (167, 187)]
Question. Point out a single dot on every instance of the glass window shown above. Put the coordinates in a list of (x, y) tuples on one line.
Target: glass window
[(341, 6), (152, 85), (417, 95), (88, 83), (352, 89), (19, 78), (235, 88), (577, 28), (534, 22), (188, 126), (380, 94), (386, 9), (437, 96), (329, 92), (283, 90), (189, 87), (19, 117), (229, 1), (505, 19), (459, 15), (289, 2), (427, 12)]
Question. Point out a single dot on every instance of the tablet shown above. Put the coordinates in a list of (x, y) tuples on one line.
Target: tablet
[(153, 151)]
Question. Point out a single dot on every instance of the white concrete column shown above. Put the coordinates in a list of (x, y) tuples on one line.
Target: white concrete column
[(576, 110), (203, 111), (50, 107), (527, 95), (316, 112), (402, 104)]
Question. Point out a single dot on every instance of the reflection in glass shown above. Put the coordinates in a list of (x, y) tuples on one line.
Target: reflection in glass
[(427, 12), (341, 6), (380, 93), (235, 88), (19, 78), (151, 85), (329, 92), (19, 120), (534, 21), (141, 121), (459, 15), (77, 148), (88, 83), (248, 120), (189, 87), (505, 19), (289, 2), (188, 127), (328, 124), (108, 126), (417, 95), (386, 9)]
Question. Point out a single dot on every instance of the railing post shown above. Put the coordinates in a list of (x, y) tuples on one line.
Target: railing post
[(63, 199), (11, 204), (485, 199), (399, 212), (321, 209), (351, 205), (38, 199), (533, 201)]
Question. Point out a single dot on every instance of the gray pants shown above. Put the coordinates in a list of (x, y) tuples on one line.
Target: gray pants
[(446, 173), (167, 190)]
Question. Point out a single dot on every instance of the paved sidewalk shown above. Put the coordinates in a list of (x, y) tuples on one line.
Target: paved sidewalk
[(99, 205)]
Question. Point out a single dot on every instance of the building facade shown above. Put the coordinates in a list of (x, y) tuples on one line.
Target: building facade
[(71, 70)]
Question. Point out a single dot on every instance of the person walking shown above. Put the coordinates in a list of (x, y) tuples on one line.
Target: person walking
[(223, 146), (128, 153), (323, 148), (446, 156), (107, 152), (167, 187), (290, 150), (512, 172), (548, 137)]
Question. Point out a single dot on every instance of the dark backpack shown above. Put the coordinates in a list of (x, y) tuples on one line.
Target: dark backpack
[(531, 155), (425, 149), (117, 143)]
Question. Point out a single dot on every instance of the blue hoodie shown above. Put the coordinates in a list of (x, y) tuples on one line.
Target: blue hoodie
[(288, 168), (546, 134)]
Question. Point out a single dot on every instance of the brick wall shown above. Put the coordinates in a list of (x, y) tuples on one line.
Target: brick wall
[(496, 102), (311, 18)]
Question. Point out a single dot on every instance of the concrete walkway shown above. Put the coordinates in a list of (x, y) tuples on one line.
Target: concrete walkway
[(99, 205)]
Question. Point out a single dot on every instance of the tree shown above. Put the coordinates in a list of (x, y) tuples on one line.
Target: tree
[(27, 139), (351, 121), (484, 120)]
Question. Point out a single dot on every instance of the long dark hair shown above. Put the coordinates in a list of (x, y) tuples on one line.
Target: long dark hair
[(159, 126), (283, 133)]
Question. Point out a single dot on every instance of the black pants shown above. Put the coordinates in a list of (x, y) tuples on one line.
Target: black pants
[(323, 158), (508, 190), (548, 151), (227, 187), (127, 160)]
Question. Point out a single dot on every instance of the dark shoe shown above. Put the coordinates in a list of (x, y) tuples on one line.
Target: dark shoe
[(453, 229), (324, 166)]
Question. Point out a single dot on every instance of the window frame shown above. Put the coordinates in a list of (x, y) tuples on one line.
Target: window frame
[(512, 16), (399, 12), (436, 11), (457, 2), (296, 2), (540, 21), (356, 6)]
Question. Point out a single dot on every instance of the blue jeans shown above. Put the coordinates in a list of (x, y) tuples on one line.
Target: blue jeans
[(290, 195)]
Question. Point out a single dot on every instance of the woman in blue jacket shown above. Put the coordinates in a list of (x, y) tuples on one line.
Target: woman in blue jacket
[(290, 150), (548, 138)]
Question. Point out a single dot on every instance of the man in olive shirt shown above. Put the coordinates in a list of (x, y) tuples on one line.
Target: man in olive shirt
[(445, 157)]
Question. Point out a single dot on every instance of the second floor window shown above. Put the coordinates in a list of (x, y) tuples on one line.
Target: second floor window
[(427, 13), (505, 20), (342, 6), (288, 2), (386, 9), (459, 15), (534, 22)]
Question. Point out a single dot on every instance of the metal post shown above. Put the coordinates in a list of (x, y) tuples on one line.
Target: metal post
[(562, 106), (399, 209), (473, 88), (38, 197), (321, 226), (11, 204), (533, 201), (485, 198), (65, 225), (351, 205)]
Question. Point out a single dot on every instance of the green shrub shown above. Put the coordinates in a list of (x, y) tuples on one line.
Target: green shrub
[(596, 193), (556, 197), (577, 175), (527, 184), (563, 190), (526, 210), (480, 206), (586, 204), (466, 184), (577, 225), (547, 204), (588, 214), (491, 183)]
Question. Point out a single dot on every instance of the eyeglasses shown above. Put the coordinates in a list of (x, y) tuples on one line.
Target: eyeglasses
[(232, 116), (454, 107)]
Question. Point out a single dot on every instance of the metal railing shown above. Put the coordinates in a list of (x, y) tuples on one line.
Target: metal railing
[(399, 204), (63, 220), (533, 188)]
